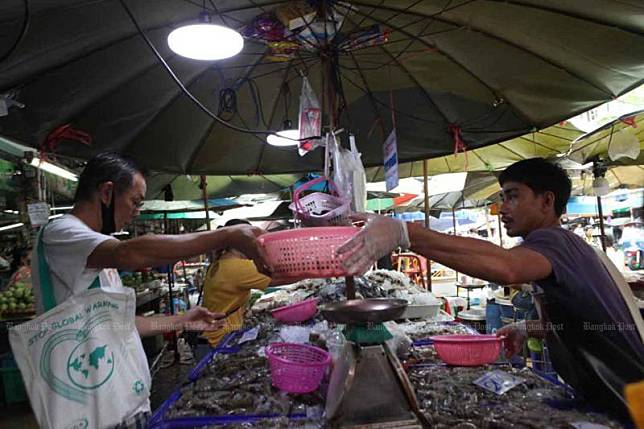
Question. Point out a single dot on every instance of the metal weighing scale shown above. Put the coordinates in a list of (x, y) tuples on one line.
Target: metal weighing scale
[(369, 387)]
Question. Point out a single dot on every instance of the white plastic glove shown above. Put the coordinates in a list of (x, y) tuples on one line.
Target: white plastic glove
[(378, 238)]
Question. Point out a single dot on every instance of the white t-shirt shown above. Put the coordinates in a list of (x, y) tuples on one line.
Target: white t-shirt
[(67, 243)]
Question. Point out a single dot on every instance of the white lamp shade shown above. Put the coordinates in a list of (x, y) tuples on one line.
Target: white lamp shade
[(205, 42), (601, 186), (278, 139)]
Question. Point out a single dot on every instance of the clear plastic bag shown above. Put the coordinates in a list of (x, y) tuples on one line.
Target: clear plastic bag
[(349, 173), (310, 119)]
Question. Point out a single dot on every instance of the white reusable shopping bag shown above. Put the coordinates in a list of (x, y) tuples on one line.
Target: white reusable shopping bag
[(79, 360)]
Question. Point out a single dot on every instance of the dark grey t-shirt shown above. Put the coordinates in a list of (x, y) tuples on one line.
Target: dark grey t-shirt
[(585, 309)]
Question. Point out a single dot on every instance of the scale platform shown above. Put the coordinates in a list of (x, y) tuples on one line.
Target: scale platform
[(369, 387)]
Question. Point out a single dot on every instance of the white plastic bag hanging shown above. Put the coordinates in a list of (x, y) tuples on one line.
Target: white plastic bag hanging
[(349, 173), (359, 178), (310, 118), (624, 144)]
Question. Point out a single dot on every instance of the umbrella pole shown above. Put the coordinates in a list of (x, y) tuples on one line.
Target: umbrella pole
[(170, 284), (498, 216), (602, 237), (204, 194), (426, 190), (454, 225)]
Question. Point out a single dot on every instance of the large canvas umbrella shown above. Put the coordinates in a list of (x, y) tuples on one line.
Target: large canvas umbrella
[(478, 189), (458, 74), (187, 187), (545, 143), (618, 177), (627, 129)]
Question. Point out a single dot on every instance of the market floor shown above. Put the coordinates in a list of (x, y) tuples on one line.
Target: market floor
[(17, 416)]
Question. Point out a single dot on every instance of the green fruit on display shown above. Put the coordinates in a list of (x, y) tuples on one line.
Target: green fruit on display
[(22, 306)]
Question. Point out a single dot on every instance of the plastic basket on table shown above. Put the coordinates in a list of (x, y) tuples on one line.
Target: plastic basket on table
[(318, 208), (467, 350), (297, 368), (304, 253), (298, 312)]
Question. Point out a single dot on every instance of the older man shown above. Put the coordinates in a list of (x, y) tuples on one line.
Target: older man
[(78, 252)]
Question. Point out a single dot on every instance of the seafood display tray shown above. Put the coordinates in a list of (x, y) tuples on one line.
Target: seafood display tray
[(448, 399), (160, 421), (427, 341), (222, 347)]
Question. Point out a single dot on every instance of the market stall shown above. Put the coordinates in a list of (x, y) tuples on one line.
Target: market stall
[(399, 381)]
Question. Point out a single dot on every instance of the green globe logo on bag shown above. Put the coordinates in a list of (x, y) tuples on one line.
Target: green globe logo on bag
[(73, 363), (90, 364)]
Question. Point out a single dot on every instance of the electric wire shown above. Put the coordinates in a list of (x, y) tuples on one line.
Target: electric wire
[(187, 92)]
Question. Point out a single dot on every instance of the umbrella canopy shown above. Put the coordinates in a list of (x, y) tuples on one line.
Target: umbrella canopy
[(479, 188), (458, 73), (627, 176), (598, 143), (187, 188), (545, 143), (219, 204)]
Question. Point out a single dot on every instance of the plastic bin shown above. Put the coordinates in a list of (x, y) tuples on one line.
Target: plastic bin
[(12, 385)]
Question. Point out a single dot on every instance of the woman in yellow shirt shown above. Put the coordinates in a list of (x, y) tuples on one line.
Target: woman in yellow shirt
[(227, 287)]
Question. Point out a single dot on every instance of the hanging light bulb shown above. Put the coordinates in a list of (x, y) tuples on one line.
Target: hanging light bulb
[(287, 137), (205, 40)]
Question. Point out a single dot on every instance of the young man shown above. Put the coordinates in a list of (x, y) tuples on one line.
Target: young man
[(590, 326), (78, 248)]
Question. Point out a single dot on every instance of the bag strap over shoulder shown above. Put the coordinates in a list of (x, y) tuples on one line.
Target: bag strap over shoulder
[(624, 289), (46, 284)]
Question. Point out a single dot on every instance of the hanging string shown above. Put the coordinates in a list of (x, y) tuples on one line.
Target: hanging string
[(459, 144)]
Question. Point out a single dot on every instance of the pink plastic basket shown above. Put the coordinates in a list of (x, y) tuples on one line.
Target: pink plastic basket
[(298, 312), (318, 208), (467, 350), (297, 368), (305, 253)]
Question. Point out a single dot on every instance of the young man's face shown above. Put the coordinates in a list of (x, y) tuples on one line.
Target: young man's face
[(523, 211), (128, 202)]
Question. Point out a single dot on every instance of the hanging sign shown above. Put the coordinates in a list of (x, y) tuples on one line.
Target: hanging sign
[(390, 149), (38, 214)]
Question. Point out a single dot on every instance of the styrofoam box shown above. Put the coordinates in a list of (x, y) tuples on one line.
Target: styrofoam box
[(426, 311)]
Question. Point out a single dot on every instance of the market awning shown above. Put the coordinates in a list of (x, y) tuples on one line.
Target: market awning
[(627, 131), (215, 204), (472, 73)]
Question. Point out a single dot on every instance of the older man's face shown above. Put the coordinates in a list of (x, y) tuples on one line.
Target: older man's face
[(128, 202)]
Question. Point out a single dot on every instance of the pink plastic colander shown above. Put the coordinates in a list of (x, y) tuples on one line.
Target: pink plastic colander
[(467, 350), (298, 312), (318, 208), (306, 253), (297, 368)]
